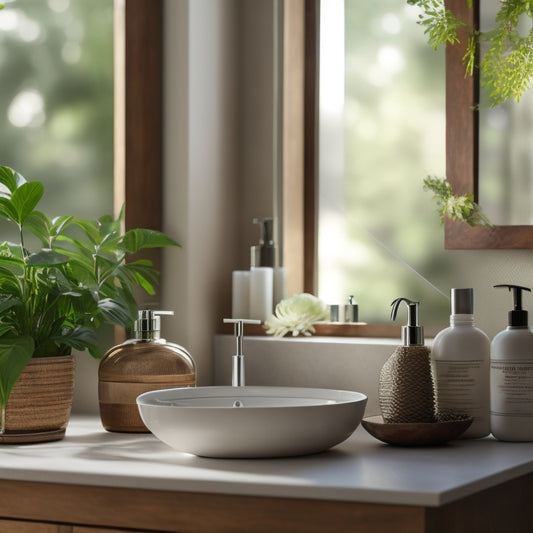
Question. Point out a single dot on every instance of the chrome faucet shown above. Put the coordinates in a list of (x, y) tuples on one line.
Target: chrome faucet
[(237, 378)]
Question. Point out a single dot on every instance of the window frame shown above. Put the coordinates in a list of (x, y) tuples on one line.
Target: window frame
[(138, 123), (138, 113)]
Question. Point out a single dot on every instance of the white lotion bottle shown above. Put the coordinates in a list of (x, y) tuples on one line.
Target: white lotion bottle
[(511, 375), (261, 293), (262, 260), (460, 363), (240, 301)]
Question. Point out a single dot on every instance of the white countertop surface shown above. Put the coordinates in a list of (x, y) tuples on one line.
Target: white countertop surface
[(360, 469)]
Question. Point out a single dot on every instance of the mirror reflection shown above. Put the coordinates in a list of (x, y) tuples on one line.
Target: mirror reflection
[(505, 140)]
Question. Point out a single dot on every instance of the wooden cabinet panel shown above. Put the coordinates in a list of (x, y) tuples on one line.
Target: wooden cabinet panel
[(32, 507), (21, 526), (24, 526), (82, 529)]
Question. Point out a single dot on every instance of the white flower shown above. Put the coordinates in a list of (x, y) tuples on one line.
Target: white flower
[(296, 314)]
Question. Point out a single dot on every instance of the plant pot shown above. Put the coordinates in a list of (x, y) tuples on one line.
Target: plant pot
[(39, 406)]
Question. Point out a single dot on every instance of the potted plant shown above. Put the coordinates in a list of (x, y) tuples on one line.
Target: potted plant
[(63, 278)]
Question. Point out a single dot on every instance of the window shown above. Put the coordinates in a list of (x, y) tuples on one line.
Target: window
[(57, 101), (130, 33), (381, 131), (136, 113)]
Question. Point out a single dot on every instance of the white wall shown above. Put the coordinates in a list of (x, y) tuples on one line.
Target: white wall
[(481, 269), (218, 158)]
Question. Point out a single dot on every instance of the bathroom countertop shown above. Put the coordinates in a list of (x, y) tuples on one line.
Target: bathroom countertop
[(361, 469)]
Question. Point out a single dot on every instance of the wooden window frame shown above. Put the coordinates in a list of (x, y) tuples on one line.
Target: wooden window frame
[(462, 140), (138, 122), (138, 113)]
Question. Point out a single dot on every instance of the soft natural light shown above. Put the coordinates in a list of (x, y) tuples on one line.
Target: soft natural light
[(59, 5), (391, 23), (332, 239), (9, 20), (381, 131), (28, 29), (27, 109)]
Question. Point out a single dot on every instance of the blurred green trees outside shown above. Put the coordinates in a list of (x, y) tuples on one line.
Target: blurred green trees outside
[(56, 100), (394, 137)]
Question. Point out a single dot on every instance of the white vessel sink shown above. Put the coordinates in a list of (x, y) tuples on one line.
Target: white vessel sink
[(251, 422)]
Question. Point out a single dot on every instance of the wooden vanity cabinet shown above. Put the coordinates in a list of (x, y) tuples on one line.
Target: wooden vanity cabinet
[(35, 507)]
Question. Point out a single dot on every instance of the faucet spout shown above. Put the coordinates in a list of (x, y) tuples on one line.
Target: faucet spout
[(237, 378)]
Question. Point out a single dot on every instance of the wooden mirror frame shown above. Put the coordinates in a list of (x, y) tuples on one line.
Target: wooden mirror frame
[(462, 139)]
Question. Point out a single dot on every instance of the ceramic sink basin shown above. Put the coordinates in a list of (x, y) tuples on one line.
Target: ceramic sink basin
[(250, 422)]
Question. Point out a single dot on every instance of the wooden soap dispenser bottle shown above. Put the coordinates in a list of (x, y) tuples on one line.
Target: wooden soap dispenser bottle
[(145, 363), (406, 392)]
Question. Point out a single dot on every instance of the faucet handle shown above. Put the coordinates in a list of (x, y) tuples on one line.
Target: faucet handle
[(242, 320), (238, 330), (239, 322)]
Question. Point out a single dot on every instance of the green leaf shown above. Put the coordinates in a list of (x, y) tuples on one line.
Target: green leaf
[(144, 274), (115, 312), (76, 250), (46, 258), (25, 198), (5, 328), (59, 224), (79, 338), (10, 283), (40, 225), (15, 353), (138, 239), (7, 210), (13, 263), (109, 226), (90, 227), (8, 303), (10, 179)]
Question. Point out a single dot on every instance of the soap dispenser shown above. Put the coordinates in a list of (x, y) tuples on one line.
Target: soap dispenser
[(511, 375), (460, 361), (263, 254), (268, 280), (406, 391), (146, 362)]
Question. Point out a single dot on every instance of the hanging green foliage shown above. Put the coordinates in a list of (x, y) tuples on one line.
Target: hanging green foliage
[(506, 66), (456, 207)]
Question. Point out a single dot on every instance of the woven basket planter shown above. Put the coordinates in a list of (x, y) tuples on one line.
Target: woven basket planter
[(39, 406)]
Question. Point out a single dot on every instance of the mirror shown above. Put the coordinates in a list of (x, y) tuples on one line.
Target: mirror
[(505, 140), (462, 149)]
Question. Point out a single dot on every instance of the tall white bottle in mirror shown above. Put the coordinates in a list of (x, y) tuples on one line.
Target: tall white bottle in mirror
[(267, 280), (460, 361)]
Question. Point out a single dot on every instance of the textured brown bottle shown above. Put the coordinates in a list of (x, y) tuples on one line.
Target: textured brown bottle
[(139, 365)]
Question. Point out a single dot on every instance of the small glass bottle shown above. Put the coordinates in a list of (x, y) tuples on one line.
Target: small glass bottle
[(144, 363)]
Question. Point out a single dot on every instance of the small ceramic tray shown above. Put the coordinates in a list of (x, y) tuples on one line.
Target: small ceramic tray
[(415, 433)]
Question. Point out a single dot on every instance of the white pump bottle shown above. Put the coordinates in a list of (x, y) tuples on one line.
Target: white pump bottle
[(511, 375), (460, 367)]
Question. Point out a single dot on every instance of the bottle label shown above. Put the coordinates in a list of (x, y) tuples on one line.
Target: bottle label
[(512, 388), (458, 387)]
